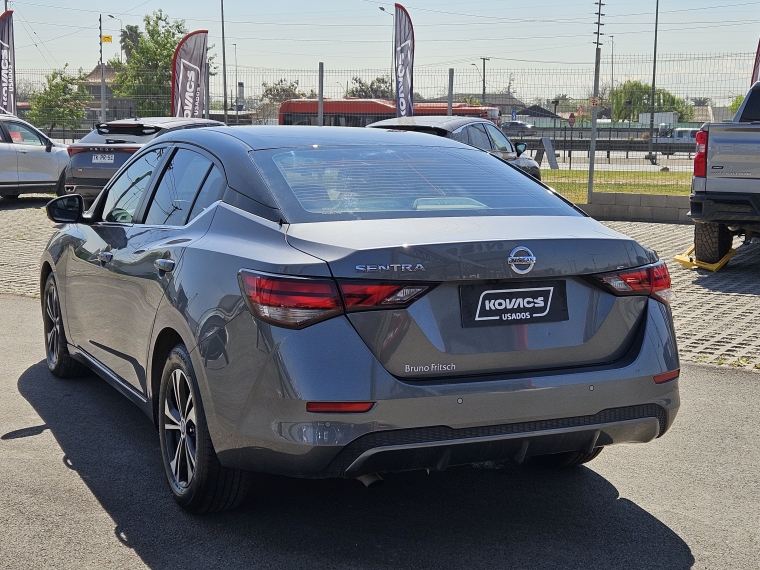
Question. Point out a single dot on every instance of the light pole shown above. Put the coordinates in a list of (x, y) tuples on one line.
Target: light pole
[(224, 67), (102, 74), (237, 90), (652, 158), (393, 48), (121, 33)]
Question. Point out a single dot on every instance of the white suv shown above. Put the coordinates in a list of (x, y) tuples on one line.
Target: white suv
[(29, 160)]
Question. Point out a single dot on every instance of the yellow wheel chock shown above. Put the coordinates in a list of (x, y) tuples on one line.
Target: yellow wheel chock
[(689, 261)]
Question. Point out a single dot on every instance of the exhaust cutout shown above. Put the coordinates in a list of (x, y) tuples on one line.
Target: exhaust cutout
[(370, 480)]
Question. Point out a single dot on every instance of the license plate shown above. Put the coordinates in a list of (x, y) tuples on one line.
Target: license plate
[(102, 159), (511, 304)]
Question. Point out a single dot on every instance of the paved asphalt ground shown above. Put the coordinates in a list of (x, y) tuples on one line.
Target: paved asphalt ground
[(83, 487)]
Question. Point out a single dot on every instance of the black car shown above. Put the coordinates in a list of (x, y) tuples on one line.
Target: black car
[(517, 128), (99, 154), (480, 133)]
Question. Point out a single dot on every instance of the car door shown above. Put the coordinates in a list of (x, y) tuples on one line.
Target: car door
[(8, 164), (36, 164), (100, 302), (501, 145)]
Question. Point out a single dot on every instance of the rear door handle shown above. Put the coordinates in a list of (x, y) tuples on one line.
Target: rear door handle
[(105, 256), (165, 265)]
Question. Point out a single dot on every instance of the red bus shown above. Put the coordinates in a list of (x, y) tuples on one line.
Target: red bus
[(362, 112)]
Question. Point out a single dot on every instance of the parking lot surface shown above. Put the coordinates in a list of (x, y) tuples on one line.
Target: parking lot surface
[(714, 312), (83, 487)]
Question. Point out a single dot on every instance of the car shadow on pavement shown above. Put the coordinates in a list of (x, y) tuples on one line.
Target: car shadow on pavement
[(25, 201), (462, 518)]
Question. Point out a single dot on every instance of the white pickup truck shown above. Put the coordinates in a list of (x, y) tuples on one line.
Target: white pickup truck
[(725, 189)]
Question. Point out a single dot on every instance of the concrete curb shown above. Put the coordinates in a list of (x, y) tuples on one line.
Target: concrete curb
[(622, 207)]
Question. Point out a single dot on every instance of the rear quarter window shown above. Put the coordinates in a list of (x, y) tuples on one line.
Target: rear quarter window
[(751, 111)]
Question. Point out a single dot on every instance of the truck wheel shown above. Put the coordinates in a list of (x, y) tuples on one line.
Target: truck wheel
[(711, 242)]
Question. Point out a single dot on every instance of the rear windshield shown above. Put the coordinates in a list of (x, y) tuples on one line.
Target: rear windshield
[(350, 183), (751, 111), (93, 137)]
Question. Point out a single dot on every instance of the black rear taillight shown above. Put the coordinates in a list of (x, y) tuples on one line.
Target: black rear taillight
[(652, 280), (297, 302)]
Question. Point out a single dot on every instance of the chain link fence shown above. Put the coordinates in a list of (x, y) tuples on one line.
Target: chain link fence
[(533, 105)]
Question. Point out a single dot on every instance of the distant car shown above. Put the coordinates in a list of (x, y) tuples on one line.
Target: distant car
[(99, 154), (517, 128), (480, 133), (29, 160)]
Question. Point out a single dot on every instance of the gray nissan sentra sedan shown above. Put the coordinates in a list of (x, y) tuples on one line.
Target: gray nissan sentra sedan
[(333, 302)]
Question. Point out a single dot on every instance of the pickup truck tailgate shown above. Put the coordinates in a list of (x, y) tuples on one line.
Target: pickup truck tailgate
[(732, 158)]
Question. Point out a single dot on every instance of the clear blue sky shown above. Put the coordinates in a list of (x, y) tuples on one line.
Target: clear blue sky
[(355, 34)]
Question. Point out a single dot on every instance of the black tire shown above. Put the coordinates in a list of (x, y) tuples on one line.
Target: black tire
[(60, 189), (199, 483), (566, 459), (59, 360), (711, 242), (535, 173)]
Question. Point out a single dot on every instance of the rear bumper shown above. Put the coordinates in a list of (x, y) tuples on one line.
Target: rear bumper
[(727, 208), (258, 418)]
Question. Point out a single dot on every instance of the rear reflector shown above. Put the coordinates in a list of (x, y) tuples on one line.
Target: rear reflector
[(653, 280), (361, 296), (666, 376), (290, 302), (339, 407)]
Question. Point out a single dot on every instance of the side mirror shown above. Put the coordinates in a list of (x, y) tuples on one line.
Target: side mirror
[(521, 148), (48, 145), (66, 209)]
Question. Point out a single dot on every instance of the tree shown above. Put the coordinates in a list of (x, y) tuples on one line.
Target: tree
[(62, 102), (378, 88), (736, 103), (147, 73), (639, 94), (283, 91), (130, 37), (701, 101), (471, 100)]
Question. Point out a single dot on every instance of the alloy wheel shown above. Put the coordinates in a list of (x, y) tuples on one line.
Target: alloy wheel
[(52, 325), (180, 429)]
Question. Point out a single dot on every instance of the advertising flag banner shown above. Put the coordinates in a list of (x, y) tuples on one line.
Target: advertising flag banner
[(756, 69), (189, 76), (7, 64), (404, 63)]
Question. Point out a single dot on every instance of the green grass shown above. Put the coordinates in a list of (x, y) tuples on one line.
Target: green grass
[(574, 184)]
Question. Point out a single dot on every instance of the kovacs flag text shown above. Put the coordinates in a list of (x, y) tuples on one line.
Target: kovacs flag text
[(189, 76), (404, 63), (7, 64)]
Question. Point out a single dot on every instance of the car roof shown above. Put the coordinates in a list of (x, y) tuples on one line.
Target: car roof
[(260, 137), (162, 122), (441, 122)]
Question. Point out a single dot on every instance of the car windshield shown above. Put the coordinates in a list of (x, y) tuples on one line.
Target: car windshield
[(345, 183)]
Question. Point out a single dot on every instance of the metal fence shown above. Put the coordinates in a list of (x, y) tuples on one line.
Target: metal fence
[(691, 89)]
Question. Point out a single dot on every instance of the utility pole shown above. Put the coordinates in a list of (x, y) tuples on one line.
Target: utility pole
[(652, 158), (224, 67), (485, 59), (595, 100), (237, 88), (102, 75)]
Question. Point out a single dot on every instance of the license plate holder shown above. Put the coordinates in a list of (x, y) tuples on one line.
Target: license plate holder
[(501, 304), (102, 159)]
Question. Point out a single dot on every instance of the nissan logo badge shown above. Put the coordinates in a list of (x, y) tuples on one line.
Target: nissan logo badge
[(521, 260)]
